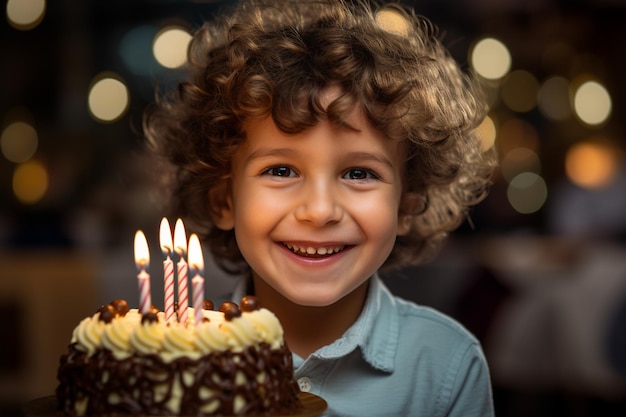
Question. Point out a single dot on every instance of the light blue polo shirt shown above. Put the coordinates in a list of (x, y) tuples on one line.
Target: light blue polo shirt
[(398, 359)]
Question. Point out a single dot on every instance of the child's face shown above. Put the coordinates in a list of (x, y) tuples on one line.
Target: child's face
[(315, 214)]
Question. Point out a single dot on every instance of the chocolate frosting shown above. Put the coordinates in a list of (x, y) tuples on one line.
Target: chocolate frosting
[(133, 380)]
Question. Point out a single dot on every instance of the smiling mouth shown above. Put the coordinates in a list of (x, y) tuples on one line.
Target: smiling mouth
[(309, 251)]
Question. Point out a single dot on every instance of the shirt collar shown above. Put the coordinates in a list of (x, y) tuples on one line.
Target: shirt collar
[(375, 332)]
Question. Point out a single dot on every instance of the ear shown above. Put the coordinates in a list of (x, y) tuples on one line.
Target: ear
[(221, 203), (410, 205)]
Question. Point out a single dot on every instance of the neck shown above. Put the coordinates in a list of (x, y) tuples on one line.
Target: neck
[(309, 328)]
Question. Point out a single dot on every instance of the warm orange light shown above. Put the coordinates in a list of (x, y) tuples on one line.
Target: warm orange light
[(196, 261), (180, 238), (165, 237), (142, 254), (590, 165), (30, 182)]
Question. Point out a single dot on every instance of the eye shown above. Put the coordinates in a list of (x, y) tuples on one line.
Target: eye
[(360, 174), (280, 171)]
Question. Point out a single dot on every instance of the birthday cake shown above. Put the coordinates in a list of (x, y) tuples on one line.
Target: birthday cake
[(123, 362)]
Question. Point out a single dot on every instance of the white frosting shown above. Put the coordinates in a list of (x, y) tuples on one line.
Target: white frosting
[(147, 338), (239, 334), (210, 338), (127, 335), (88, 334), (268, 327), (116, 337)]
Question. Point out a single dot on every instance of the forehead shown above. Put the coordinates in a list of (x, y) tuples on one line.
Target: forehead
[(349, 117), (323, 143)]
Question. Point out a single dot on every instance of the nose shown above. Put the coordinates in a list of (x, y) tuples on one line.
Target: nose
[(320, 204)]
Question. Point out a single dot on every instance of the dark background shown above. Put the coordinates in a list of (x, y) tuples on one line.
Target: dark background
[(545, 296)]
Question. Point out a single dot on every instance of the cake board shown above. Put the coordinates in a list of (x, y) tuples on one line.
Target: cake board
[(313, 406)]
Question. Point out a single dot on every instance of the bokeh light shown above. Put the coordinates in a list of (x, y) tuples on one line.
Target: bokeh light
[(519, 91), (392, 21), (517, 133), (591, 164), (30, 182), (554, 98), (19, 142), (519, 160), (25, 14), (108, 98), (527, 192), (486, 133), (490, 58), (170, 46), (592, 103)]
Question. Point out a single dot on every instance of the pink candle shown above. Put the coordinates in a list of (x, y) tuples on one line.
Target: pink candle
[(196, 263), (180, 246), (142, 260), (168, 268)]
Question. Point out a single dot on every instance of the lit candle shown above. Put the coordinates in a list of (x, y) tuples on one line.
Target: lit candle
[(196, 264), (142, 260), (165, 235), (180, 247)]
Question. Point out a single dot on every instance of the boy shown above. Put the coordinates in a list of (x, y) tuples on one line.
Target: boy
[(317, 142)]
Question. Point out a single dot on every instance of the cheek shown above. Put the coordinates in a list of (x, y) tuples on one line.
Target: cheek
[(378, 217), (254, 209)]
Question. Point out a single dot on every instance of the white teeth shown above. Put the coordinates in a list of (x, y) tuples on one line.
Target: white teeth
[(309, 250)]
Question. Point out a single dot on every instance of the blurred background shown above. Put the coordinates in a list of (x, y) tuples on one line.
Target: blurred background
[(538, 272)]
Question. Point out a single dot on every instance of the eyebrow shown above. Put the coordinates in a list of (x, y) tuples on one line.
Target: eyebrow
[(270, 152), (368, 156), (286, 152)]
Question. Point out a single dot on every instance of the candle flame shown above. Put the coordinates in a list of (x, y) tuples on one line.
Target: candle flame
[(142, 254), (196, 261), (180, 238), (165, 237)]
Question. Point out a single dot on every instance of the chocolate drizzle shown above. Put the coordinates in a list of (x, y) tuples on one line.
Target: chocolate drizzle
[(132, 383)]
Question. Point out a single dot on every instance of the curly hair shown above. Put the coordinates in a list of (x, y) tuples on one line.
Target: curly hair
[(275, 58)]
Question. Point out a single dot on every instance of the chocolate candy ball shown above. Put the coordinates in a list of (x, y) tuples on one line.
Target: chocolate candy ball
[(230, 310), (249, 303), (207, 305), (121, 306), (107, 313), (227, 305), (149, 318)]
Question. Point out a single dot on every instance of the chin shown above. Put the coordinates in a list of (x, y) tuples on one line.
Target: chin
[(313, 303), (310, 299)]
